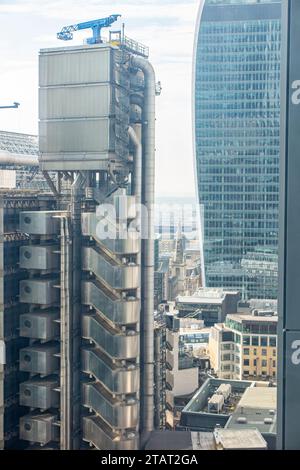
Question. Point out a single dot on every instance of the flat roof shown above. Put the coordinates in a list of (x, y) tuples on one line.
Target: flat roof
[(248, 318), (232, 439), (256, 409)]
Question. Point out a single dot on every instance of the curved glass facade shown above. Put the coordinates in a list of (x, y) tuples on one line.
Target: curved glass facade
[(237, 124)]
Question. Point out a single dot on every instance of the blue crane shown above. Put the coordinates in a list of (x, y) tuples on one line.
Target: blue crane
[(66, 34), (14, 105)]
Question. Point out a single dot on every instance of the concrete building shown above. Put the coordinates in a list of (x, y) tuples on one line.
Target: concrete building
[(236, 110), (245, 347), (186, 344), (207, 304), (247, 406)]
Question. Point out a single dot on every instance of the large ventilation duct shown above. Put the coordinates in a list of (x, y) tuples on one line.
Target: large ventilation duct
[(148, 185)]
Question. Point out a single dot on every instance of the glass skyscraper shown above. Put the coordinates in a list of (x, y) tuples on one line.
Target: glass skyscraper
[(236, 133)]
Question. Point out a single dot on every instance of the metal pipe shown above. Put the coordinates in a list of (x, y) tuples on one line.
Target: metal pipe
[(157, 375), (7, 158), (76, 198), (66, 339), (148, 185), (136, 137), (137, 100)]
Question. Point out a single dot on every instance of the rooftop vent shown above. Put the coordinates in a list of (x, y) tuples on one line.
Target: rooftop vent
[(242, 420)]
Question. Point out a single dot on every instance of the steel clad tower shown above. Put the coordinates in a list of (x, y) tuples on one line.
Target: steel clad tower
[(87, 286)]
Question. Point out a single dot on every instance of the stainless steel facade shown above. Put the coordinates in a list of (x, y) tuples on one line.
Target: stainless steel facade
[(84, 381), (84, 104)]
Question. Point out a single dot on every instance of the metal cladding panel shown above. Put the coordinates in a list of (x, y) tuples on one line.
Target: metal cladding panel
[(119, 381), (39, 257), (116, 346), (75, 136), (39, 428), (94, 432), (39, 291), (118, 414), (39, 393), (76, 101), (118, 311), (118, 277), (89, 224), (71, 66), (39, 222), (40, 359), (39, 325)]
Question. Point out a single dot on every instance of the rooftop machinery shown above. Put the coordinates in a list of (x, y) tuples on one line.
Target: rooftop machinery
[(90, 381)]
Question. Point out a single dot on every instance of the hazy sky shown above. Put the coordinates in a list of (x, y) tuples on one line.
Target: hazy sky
[(166, 26)]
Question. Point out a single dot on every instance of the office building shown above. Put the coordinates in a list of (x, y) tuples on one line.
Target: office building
[(82, 364), (245, 347), (236, 113), (209, 305)]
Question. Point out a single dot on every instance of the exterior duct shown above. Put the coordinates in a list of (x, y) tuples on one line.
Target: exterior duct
[(121, 312), (148, 184), (119, 346), (118, 413), (136, 139), (118, 380), (117, 246), (102, 437), (117, 276), (75, 307)]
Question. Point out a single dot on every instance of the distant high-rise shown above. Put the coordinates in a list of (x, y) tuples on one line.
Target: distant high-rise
[(236, 128)]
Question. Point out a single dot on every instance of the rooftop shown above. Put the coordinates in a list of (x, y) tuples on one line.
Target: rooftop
[(251, 318), (230, 439), (256, 410), (207, 295), (21, 144)]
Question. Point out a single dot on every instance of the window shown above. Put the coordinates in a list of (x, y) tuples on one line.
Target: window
[(255, 352), (264, 352), (246, 362), (246, 372), (246, 340), (273, 341), (255, 362), (226, 357), (255, 341), (274, 353), (274, 363), (264, 363), (246, 351), (264, 341)]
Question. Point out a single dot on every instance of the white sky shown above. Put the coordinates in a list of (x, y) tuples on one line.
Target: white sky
[(166, 26)]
